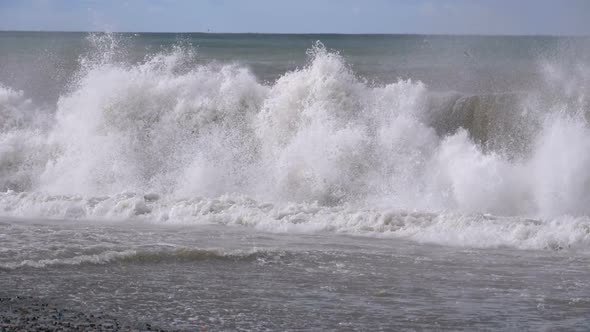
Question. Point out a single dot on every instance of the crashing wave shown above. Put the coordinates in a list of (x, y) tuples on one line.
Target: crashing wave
[(319, 135)]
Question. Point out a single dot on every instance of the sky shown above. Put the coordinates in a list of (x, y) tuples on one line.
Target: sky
[(504, 17)]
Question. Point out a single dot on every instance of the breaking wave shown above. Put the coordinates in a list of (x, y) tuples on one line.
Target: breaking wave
[(170, 140)]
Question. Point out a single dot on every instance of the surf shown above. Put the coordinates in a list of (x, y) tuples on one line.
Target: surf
[(172, 139)]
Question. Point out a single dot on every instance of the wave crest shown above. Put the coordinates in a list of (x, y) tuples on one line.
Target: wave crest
[(320, 133), (146, 256)]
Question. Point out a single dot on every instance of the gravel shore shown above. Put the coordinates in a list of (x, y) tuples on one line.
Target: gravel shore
[(30, 314)]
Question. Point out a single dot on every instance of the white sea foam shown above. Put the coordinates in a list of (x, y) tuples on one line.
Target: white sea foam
[(101, 258), (327, 150), (448, 228), (144, 256)]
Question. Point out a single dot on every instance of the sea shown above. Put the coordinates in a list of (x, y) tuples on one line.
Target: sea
[(277, 182)]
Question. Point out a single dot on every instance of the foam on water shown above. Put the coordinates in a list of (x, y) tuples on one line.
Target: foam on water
[(448, 228), (320, 149), (144, 256)]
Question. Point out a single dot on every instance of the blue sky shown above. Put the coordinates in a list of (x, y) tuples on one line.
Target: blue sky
[(555, 17)]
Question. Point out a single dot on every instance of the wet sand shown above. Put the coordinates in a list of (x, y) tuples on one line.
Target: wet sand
[(31, 314)]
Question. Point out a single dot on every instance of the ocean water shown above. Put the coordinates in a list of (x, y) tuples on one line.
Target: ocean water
[(298, 182)]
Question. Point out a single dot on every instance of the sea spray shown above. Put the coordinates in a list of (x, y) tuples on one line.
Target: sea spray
[(337, 152)]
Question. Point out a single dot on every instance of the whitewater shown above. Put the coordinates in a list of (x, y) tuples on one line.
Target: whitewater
[(135, 164), (319, 149)]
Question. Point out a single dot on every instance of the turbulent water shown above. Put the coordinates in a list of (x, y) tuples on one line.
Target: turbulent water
[(307, 157)]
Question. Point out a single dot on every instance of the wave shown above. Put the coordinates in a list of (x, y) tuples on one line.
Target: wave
[(146, 256), (320, 135), (474, 230)]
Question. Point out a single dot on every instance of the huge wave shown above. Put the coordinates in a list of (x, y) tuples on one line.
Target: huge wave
[(167, 139)]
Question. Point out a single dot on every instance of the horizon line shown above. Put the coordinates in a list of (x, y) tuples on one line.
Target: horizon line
[(303, 33)]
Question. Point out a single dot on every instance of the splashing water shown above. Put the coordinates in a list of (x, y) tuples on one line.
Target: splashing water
[(172, 140)]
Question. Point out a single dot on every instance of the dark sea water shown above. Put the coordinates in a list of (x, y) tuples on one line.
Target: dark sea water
[(298, 182)]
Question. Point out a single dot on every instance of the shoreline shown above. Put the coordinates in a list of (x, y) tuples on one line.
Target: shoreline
[(22, 313)]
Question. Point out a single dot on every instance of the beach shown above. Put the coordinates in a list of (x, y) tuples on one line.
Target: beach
[(268, 182)]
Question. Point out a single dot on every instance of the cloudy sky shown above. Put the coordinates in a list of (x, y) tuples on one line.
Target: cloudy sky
[(554, 17)]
